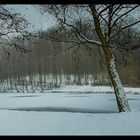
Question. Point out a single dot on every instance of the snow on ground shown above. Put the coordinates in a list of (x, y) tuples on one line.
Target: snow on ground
[(92, 89), (67, 114)]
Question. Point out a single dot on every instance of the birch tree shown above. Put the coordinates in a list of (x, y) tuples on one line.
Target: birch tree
[(104, 18)]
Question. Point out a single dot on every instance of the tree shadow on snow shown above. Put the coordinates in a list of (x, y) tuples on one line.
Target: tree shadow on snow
[(64, 109)]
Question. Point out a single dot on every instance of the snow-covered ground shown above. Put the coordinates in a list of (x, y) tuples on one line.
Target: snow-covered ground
[(92, 89), (68, 113)]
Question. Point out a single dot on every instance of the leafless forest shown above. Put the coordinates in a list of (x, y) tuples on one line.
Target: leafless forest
[(96, 44), (45, 59)]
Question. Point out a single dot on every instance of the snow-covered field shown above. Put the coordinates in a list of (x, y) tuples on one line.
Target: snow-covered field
[(91, 89), (66, 112)]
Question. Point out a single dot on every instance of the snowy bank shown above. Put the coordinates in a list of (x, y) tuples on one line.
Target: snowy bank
[(67, 114)]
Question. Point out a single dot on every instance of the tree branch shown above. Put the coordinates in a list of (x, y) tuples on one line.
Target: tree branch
[(79, 33), (107, 7), (124, 28), (124, 14)]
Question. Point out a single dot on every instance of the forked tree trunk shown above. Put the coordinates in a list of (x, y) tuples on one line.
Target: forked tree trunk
[(121, 99)]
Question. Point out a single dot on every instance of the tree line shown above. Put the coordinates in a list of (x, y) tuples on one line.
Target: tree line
[(108, 28), (80, 65)]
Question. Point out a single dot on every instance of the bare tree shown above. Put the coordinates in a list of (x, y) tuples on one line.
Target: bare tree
[(105, 19), (11, 25)]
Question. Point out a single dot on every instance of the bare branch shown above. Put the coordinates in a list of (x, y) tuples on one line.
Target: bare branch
[(125, 28), (106, 8), (125, 13), (79, 34)]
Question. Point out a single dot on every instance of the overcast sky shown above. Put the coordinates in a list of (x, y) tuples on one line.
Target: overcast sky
[(32, 14), (40, 21)]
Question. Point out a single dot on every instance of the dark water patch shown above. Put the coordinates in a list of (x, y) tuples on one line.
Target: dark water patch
[(133, 93), (63, 109), (24, 96), (132, 99), (127, 99), (82, 92), (78, 96)]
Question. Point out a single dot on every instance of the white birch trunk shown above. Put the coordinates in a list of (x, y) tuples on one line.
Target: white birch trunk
[(118, 88)]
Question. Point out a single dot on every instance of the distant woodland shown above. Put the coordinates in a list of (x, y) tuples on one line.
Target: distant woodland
[(65, 62)]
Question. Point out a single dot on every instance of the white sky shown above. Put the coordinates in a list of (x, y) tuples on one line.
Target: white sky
[(38, 20), (33, 16)]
